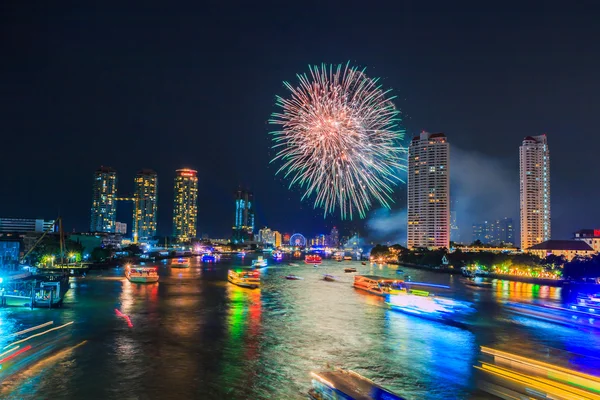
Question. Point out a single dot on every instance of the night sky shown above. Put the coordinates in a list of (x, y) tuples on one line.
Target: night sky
[(163, 86)]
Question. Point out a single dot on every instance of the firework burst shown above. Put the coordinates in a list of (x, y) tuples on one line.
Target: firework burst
[(339, 139)]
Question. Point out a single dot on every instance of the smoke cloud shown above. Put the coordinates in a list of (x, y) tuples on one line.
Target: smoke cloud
[(482, 188)]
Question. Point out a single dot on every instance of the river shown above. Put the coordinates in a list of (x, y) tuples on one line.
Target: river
[(194, 335)]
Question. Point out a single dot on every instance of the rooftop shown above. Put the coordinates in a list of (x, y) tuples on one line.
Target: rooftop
[(574, 245)]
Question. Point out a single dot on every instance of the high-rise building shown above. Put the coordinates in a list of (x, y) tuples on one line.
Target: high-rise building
[(185, 204), (334, 238), (534, 168), (428, 191), (146, 205), (266, 236), (243, 228), (104, 204), (277, 238)]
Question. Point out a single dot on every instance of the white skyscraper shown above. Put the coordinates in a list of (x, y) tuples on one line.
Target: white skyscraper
[(534, 169), (428, 191)]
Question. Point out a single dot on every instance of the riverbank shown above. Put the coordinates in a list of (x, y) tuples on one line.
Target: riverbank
[(516, 278)]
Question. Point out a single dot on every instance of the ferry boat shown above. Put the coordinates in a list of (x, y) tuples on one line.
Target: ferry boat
[(181, 263), (259, 262), (247, 279), (208, 258), (346, 384), (348, 258), (277, 255), (313, 259), (377, 285), (426, 305), (338, 256), (349, 269), (141, 274)]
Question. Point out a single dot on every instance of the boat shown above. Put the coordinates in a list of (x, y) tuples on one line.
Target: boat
[(247, 279), (208, 258), (293, 277), (588, 303), (277, 255), (363, 263), (343, 384), (349, 269), (241, 254), (293, 264), (399, 271), (329, 278), (139, 274), (377, 285), (348, 258), (338, 256), (181, 263), (50, 292), (259, 262), (477, 283), (313, 259)]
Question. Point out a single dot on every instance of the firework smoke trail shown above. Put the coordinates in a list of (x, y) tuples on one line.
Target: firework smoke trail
[(339, 139)]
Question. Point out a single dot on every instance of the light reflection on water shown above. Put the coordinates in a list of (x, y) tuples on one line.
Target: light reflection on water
[(195, 335)]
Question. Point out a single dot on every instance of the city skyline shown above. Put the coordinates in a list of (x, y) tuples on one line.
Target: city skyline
[(487, 96)]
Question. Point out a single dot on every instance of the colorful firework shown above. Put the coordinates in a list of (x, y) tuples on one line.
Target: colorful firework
[(339, 139)]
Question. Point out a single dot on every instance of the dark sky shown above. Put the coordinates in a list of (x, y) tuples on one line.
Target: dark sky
[(161, 85)]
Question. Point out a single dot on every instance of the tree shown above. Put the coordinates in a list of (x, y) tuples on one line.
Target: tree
[(100, 254)]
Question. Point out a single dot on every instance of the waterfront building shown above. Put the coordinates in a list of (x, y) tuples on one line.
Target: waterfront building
[(534, 169), (121, 228), (185, 204), (495, 232), (277, 238), (318, 240), (266, 236), (567, 248), (428, 191), (21, 225), (286, 238), (146, 206), (334, 238), (590, 236), (9, 253), (104, 204), (243, 228)]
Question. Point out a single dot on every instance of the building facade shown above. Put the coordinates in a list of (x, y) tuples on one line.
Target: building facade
[(590, 236), (566, 248), (185, 204), (334, 238), (243, 228), (534, 169), (146, 205), (428, 191), (17, 225), (104, 203), (121, 228)]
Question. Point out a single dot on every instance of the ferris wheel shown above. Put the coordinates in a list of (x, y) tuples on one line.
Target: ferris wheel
[(298, 240)]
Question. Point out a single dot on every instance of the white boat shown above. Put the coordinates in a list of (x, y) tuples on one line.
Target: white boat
[(259, 262), (247, 279), (181, 263), (141, 274)]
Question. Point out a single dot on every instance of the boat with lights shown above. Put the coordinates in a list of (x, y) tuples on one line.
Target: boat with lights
[(181, 263), (277, 255), (340, 384), (259, 262), (209, 258), (247, 279), (138, 274), (377, 285), (313, 259)]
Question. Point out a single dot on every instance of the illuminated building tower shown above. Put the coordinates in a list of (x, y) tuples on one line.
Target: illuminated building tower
[(334, 237), (185, 204), (104, 205), (428, 191), (145, 206), (244, 216), (534, 168)]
